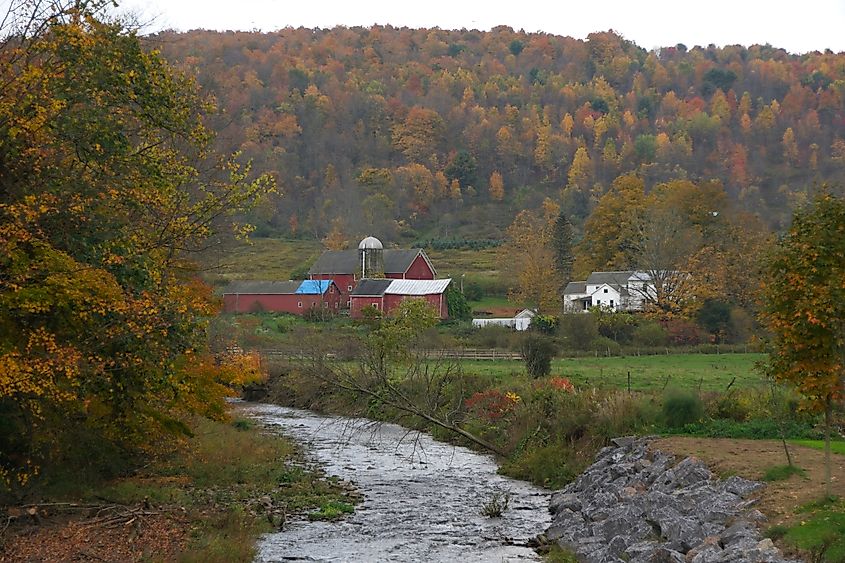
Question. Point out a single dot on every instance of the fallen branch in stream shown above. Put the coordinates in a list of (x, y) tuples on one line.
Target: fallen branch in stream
[(372, 381)]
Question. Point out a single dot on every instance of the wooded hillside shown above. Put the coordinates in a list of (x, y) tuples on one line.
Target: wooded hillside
[(427, 133)]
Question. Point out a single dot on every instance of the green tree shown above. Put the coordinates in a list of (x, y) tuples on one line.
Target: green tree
[(464, 169), (459, 309), (805, 308)]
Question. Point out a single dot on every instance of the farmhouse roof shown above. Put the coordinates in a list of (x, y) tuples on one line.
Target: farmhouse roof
[(611, 278), (418, 287), (396, 261), (575, 287), (371, 288), (262, 287)]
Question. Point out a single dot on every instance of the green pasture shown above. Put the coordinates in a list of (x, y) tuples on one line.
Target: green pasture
[(836, 446), (709, 372), (262, 259), (493, 302), (476, 264)]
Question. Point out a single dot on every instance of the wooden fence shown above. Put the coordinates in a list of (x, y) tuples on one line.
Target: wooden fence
[(453, 354), (474, 354)]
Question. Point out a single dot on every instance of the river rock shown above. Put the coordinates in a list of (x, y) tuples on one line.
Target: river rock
[(640, 505)]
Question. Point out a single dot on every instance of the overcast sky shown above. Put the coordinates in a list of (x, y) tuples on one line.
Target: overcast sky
[(797, 26)]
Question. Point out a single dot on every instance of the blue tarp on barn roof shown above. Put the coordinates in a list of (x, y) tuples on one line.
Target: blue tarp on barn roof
[(313, 287)]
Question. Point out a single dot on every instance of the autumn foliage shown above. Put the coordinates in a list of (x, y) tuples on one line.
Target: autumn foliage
[(805, 302), (107, 184), (557, 117)]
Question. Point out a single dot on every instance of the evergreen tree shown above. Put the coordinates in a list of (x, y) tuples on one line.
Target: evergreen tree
[(562, 244)]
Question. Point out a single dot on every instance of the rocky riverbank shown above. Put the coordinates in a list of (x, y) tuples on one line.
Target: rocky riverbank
[(635, 504)]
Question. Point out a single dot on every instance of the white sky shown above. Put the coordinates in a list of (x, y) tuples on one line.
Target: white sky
[(797, 26)]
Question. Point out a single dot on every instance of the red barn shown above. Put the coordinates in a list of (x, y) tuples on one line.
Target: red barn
[(344, 267), (295, 297), (386, 294)]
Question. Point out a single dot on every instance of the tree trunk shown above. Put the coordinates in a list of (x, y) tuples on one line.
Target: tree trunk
[(828, 415)]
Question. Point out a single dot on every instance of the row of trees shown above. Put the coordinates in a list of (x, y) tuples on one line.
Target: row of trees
[(108, 183), (461, 129), (689, 237)]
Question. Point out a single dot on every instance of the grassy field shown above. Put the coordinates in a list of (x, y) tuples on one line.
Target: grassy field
[(710, 372), (476, 264), (263, 259)]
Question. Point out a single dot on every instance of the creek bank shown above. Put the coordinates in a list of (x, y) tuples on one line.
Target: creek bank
[(635, 504)]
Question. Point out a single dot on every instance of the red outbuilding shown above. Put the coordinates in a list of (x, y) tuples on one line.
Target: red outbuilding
[(295, 297), (386, 295)]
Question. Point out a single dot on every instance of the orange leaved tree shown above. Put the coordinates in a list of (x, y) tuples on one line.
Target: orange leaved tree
[(805, 307)]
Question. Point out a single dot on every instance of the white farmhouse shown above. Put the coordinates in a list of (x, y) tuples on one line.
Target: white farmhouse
[(618, 291)]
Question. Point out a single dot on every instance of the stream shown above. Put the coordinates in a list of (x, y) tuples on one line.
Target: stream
[(422, 498)]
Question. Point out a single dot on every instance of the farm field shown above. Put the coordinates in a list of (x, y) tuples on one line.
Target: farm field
[(476, 264), (262, 259), (709, 372)]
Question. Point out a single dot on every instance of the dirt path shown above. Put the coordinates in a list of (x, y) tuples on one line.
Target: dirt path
[(751, 459)]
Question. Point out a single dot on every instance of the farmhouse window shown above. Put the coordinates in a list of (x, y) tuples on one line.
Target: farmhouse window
[(611, 302), (605, 290), (349, 287), (299, 304)]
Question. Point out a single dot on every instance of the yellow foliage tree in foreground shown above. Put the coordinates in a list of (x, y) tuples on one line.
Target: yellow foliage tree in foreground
[(108, 184)]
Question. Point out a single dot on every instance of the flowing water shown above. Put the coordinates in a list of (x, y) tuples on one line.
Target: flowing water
[(422, 498)]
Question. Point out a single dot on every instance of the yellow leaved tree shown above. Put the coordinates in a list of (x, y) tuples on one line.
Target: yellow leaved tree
[(108, 184)]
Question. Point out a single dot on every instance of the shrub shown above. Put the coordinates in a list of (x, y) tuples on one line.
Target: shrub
[(606, 346), (619, 413), (579, 330), (681, 408), (783, 472), (682, 333), (494, 337), (492, 405), (650, 334), (553, 466), (619, 327), (537, 351), (473, 291), (497, 505), (546, 324)]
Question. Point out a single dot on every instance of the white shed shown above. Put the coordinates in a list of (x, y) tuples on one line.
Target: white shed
[(520, 321)]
